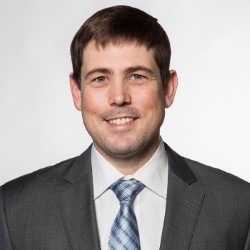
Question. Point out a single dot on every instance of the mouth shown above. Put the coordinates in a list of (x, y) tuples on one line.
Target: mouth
[(121, 121)]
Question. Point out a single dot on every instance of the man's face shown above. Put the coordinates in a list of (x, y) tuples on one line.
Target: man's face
[(122, 99)]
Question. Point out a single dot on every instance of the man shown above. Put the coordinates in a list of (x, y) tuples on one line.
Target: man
[(128, 190)]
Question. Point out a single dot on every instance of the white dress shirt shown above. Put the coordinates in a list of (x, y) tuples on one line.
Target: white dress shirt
[(149, 205)]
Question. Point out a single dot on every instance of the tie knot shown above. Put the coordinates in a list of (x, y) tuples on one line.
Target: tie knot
[(126, 190)]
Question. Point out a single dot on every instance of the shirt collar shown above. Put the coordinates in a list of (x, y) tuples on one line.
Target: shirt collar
[(104, 174), (153, 174)]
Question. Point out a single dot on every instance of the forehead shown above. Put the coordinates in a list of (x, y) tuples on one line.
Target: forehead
[(124, 54)]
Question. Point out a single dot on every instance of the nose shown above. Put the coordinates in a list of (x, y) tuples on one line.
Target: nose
[(119, 93)]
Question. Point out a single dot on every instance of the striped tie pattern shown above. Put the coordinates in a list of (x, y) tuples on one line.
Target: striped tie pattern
[(124, 232)]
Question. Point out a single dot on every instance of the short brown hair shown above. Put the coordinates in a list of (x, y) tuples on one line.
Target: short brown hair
[(119, 24)]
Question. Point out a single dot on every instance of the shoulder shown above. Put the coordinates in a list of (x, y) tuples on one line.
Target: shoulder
[(49, 181), (219, 184), (208, 174), (40, 180), (67, 170)]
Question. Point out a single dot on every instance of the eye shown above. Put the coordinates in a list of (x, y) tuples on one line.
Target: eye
[(100, 79), (137, 77)]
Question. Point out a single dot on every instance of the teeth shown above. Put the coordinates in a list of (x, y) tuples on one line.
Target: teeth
[(120, 121)]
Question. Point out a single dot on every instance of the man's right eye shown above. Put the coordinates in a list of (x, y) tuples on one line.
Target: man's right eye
[(100, 79)]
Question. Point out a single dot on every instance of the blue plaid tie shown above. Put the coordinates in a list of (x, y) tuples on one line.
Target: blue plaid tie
[(124, 232)]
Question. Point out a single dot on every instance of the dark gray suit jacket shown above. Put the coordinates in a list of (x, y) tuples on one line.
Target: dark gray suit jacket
[(53, 208)]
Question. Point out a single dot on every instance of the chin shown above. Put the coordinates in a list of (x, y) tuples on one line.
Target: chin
[(125, 151), (122, 152)]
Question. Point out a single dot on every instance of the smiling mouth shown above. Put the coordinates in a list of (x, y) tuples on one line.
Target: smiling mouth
[(121, 121)]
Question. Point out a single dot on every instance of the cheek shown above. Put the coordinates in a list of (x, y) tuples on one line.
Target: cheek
[(150, 99), (92, 102), (153, 108)]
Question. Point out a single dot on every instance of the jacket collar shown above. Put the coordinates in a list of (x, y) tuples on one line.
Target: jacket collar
[(78, 209), (184, 203), (77, 205)]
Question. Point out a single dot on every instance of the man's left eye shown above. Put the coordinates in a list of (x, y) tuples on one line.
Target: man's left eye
[(137, 77)]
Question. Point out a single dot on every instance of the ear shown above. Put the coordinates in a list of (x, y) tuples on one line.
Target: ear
[(170, 87), (75, 91)]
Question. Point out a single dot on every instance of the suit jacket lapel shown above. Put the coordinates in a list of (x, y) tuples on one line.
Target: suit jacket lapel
[(78, 210), (77, 205), (183, 204)]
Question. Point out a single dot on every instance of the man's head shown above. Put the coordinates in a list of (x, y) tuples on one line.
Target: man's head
[(122, 83), (120, 24)]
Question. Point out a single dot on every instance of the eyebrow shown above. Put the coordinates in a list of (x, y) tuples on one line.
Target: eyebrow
[(139, 68)]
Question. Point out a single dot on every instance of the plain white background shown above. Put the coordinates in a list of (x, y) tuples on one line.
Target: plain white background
[(208, 122)]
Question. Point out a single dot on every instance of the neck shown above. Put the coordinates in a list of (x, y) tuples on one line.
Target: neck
[(130, 164)]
